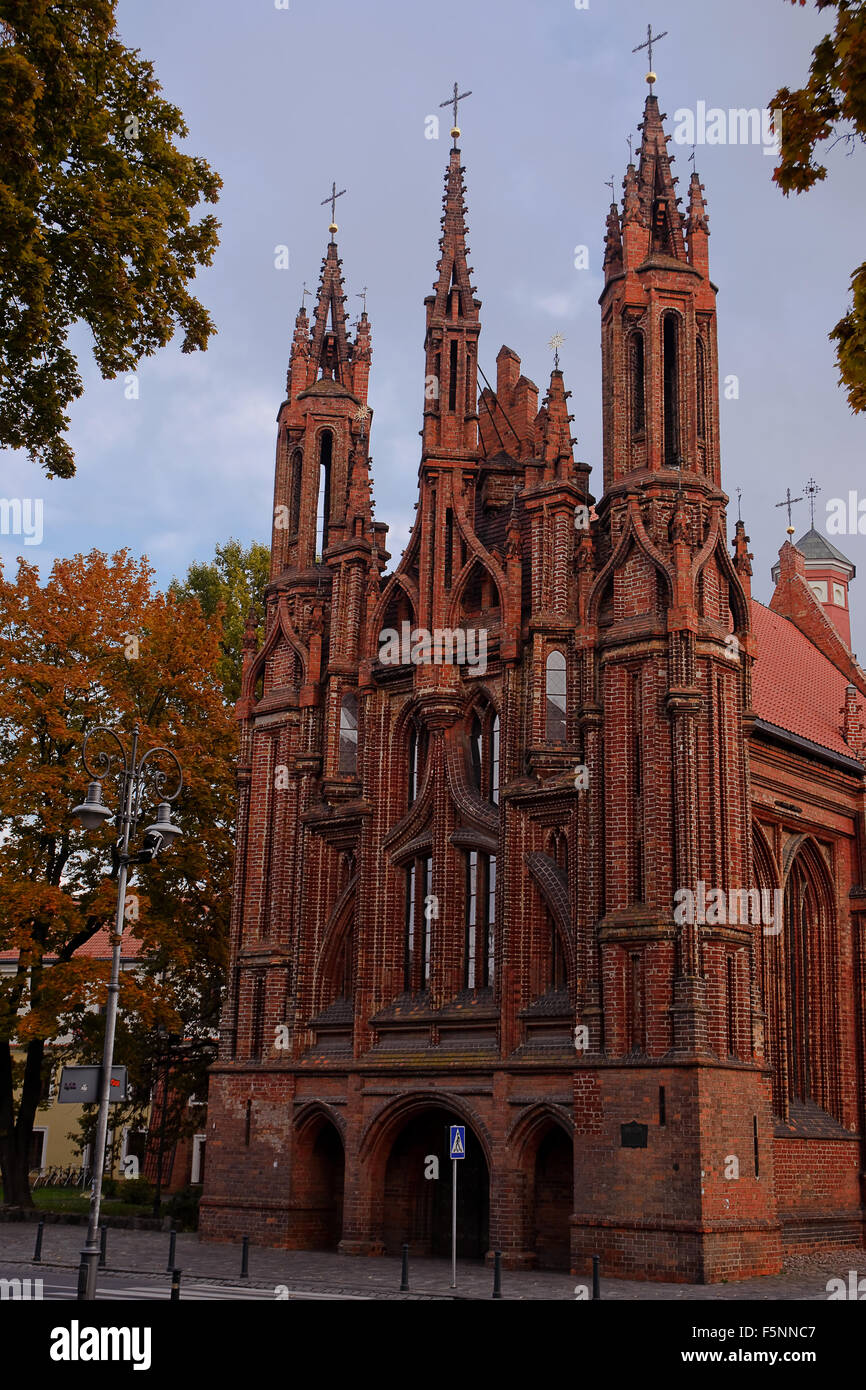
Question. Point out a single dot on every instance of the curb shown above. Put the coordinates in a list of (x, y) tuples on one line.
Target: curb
[(226, 1281)]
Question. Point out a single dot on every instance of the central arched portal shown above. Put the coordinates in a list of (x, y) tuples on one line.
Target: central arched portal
[(417, 1209)]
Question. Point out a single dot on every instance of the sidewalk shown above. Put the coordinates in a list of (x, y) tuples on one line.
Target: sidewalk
[(145, 1253)]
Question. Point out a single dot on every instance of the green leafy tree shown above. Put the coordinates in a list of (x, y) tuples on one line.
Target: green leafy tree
[(832, 104), (228, 588), (95, 227)]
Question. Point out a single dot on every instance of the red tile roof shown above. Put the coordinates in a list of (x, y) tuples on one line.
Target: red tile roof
[(97, 948), (794, 685)]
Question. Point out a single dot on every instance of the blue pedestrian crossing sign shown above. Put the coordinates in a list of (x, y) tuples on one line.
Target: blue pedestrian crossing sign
[(458, 1141)]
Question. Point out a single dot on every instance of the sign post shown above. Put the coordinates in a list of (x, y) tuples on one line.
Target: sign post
[(457, 1151), (81, 1085)]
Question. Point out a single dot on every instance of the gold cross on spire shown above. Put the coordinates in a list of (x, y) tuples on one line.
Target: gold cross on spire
[(789, 502), (452, 101), (651, 38), (332, 199)]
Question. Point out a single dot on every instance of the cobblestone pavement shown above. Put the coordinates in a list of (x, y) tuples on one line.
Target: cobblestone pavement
[(145, 1253)]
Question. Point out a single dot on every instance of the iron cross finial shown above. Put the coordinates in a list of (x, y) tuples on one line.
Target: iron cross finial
[(362, 294), (630, 151), (811, 490), (789, 502), (739, 504), (651, 38), (332, 199), (452, 101), (609, 183), (304, 293)]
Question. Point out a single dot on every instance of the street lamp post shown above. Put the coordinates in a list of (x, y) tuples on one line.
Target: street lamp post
[(135, 775)]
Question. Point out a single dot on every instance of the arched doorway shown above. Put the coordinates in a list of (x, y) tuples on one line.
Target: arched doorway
[(553, 1200), (417, 1210), (320, 1167)]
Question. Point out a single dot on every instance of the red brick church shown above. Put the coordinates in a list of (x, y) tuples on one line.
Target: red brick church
[(550, 830)]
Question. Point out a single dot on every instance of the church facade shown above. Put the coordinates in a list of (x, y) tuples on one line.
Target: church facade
[(551, 830)]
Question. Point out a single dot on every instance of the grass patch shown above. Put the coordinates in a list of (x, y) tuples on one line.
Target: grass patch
[(73, 1200)]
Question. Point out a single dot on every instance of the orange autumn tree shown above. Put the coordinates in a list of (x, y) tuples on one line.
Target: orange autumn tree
[(98, 644)]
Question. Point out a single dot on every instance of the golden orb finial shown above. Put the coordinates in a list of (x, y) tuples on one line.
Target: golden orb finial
[(651, 78), (790, 530), (455, 132), (333, 229)]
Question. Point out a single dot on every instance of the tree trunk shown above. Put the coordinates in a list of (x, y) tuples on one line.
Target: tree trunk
[(16, 1132), (15, 1169)]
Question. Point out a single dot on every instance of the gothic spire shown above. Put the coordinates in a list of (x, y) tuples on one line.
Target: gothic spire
[(657, 186), (556, 427), (697, 226), (330, 351), (452, 266), (453, 326), (613, 243), (296, 376)]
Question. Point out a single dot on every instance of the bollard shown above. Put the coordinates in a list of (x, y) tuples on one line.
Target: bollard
[(596, 1286), (404, 1276), (103, 1246), (497, 1274), (37, 1253), (82, 1276), (245, 1258), (171, 1244), (175, 1285)]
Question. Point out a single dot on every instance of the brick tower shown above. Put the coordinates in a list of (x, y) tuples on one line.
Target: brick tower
[(494, 806), (666, 685)]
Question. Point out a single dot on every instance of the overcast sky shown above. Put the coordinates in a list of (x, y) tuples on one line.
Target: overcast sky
[(283, 101)]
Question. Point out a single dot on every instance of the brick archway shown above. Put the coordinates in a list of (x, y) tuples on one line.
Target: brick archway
[(318, 1177), (544, 1143), (406, 1205)]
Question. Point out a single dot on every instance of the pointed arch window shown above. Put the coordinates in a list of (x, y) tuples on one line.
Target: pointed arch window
[(452, 375), (295, 504), (800, 953), (323, 504), (416, 757), (344, 968), (484, 753), (480, 954), (558, 968), (419, 917), (413, 764), (476, 751), (349, 734), (700, 367), (671, 372), (555, 686), (638, 388)]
